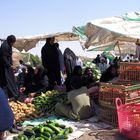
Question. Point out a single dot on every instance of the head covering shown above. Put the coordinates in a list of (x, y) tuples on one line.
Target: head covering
[(48, 39), (11, 39), (68, 52), (137, 42)]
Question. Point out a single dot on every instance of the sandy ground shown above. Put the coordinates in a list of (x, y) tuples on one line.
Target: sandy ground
[(102, 135)]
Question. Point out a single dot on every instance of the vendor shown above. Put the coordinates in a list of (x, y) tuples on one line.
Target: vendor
[(79, 106), (111, 74), (90, 81), (76, 74), (6, 115)]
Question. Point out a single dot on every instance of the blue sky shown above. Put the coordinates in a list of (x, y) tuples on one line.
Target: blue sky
[(36, 17)]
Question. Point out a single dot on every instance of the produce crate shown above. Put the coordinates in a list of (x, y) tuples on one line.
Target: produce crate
[(109, 115), (128, 93), (129, 71)]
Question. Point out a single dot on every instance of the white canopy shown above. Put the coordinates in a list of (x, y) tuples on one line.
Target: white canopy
[(28, 43), (104, 31)]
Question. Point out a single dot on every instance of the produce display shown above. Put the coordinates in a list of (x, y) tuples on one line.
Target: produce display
[(23, 111), (95, 69), (51, 130), (46, 102), (129, 71)]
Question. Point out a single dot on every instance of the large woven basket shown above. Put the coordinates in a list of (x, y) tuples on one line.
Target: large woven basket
[(129, 71)]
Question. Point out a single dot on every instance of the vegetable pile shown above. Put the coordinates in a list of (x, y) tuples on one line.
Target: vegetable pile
[(51, 130), (23, 111), (47, 101), (95, 69)]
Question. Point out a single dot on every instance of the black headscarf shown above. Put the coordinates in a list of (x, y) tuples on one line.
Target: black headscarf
[(69, 52), (11, 39)]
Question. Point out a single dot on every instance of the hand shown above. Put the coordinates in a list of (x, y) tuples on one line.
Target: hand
[(22, 89), (32, 94), (13, 67)]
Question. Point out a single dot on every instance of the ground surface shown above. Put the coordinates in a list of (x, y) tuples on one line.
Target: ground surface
[(102, 135)]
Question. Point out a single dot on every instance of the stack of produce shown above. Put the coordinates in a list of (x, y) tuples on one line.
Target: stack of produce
[(129, 72), (24, 111), (47, 101), (95, 69), (50, 130)]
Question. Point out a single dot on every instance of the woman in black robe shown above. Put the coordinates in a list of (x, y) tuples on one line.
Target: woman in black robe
[(7, 79), (50, 61), (69, 61)]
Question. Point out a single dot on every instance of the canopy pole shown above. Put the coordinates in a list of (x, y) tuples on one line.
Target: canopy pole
[(119, 48)]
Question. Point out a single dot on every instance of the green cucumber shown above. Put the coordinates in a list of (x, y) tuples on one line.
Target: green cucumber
[(22, 137), (15, 138), (39, 138), (59, 125), (29, 132), (59, 137), (54, 128), (36, 130), (49, 130), (46, 134), (66, 131), (49, 121), (45, 138), (32, 137), (70, 130)]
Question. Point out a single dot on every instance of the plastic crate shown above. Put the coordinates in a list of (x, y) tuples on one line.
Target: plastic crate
[(129, 71), (128, 119), (126, 92)]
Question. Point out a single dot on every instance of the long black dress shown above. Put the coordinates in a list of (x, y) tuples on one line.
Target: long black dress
[(50, 61), (7, 79)]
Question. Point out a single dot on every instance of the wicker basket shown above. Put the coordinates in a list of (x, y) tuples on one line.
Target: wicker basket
[(109, 92), (109, 115), (129, 71)]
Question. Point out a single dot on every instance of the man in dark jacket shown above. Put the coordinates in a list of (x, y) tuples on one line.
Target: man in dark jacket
[(7, 79), (50, 61), (6, 115)]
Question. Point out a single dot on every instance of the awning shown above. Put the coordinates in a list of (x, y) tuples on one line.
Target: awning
[(117, 47), (27, 43), (107, 30)]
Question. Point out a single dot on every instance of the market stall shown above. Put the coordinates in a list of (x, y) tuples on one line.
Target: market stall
[(107, 34), (27, 43)]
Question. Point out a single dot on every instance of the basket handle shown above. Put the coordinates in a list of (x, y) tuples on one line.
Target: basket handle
[(118, 103)]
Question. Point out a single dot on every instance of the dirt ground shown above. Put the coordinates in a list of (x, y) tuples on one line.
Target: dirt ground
[(102, 135)]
